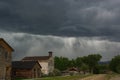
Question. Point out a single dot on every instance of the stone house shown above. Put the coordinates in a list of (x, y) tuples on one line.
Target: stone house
[(5, 60), (47, 62), (26, 69)]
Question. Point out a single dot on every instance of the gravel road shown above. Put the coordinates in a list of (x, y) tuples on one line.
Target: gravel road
[(115, 78), (100, 77), (95, 77)]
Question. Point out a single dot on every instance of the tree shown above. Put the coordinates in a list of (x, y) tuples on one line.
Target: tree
[(84, 67), (92, 61), (72, 63), (103, 68), (79, 62), (115, 64), (61, 63)]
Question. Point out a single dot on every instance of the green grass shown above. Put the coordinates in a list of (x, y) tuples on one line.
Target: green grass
[(60, 78)]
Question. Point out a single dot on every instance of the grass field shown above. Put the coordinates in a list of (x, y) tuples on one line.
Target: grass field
[(60, 78), (107, 76)]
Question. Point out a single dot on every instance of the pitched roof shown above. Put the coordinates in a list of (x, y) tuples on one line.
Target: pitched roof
[(36, 58), (73, 69), (1, 39), (24, 64)]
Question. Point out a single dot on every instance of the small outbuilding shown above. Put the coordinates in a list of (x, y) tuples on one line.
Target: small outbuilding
[(26, 69)]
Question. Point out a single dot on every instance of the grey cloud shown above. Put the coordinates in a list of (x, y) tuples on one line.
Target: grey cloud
[(85, 18), (71, 47), (69, 28)]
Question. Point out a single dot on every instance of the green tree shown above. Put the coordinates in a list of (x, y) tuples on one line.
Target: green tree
[(118, 68), (79, 62), (84, 67), (61, 63), (72, 63), (92, 61), (103, 68), (115, 64)]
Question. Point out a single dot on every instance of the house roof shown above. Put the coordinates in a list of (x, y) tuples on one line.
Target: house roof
[(36, 58), (73, 69), (1, 39), (24, 64)]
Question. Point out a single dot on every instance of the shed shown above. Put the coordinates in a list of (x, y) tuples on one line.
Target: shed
[(26, 69)]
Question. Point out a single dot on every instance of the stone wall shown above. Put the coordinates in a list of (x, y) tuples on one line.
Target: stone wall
[(5, 64)]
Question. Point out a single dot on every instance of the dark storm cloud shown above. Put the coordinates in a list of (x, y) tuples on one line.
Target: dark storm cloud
[(69, 28), (62, 17), (41, 17)]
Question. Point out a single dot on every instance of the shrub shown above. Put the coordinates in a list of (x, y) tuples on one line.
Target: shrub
[(51, 74), (55, 72)]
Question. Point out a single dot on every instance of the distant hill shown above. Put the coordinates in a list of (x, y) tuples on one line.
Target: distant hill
[(104, 62)]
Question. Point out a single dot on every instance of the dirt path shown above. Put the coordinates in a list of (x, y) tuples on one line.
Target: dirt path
[(95, 77)]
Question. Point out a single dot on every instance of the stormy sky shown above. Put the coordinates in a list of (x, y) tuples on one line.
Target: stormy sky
[(69, 28)]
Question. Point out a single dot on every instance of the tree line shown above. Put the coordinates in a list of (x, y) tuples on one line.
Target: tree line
[(89, 63)]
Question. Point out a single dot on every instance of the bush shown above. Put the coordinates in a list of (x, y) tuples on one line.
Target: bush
[(44, 75), (55, 72), (118, 69), (51, 74), (71, 73)]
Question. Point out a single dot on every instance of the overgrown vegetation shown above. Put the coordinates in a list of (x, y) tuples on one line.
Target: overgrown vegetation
[(86, 63)]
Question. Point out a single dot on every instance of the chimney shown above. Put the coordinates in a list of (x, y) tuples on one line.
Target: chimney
[(50, 53)]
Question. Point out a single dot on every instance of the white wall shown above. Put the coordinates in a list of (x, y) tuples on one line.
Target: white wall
[(44, 66)]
